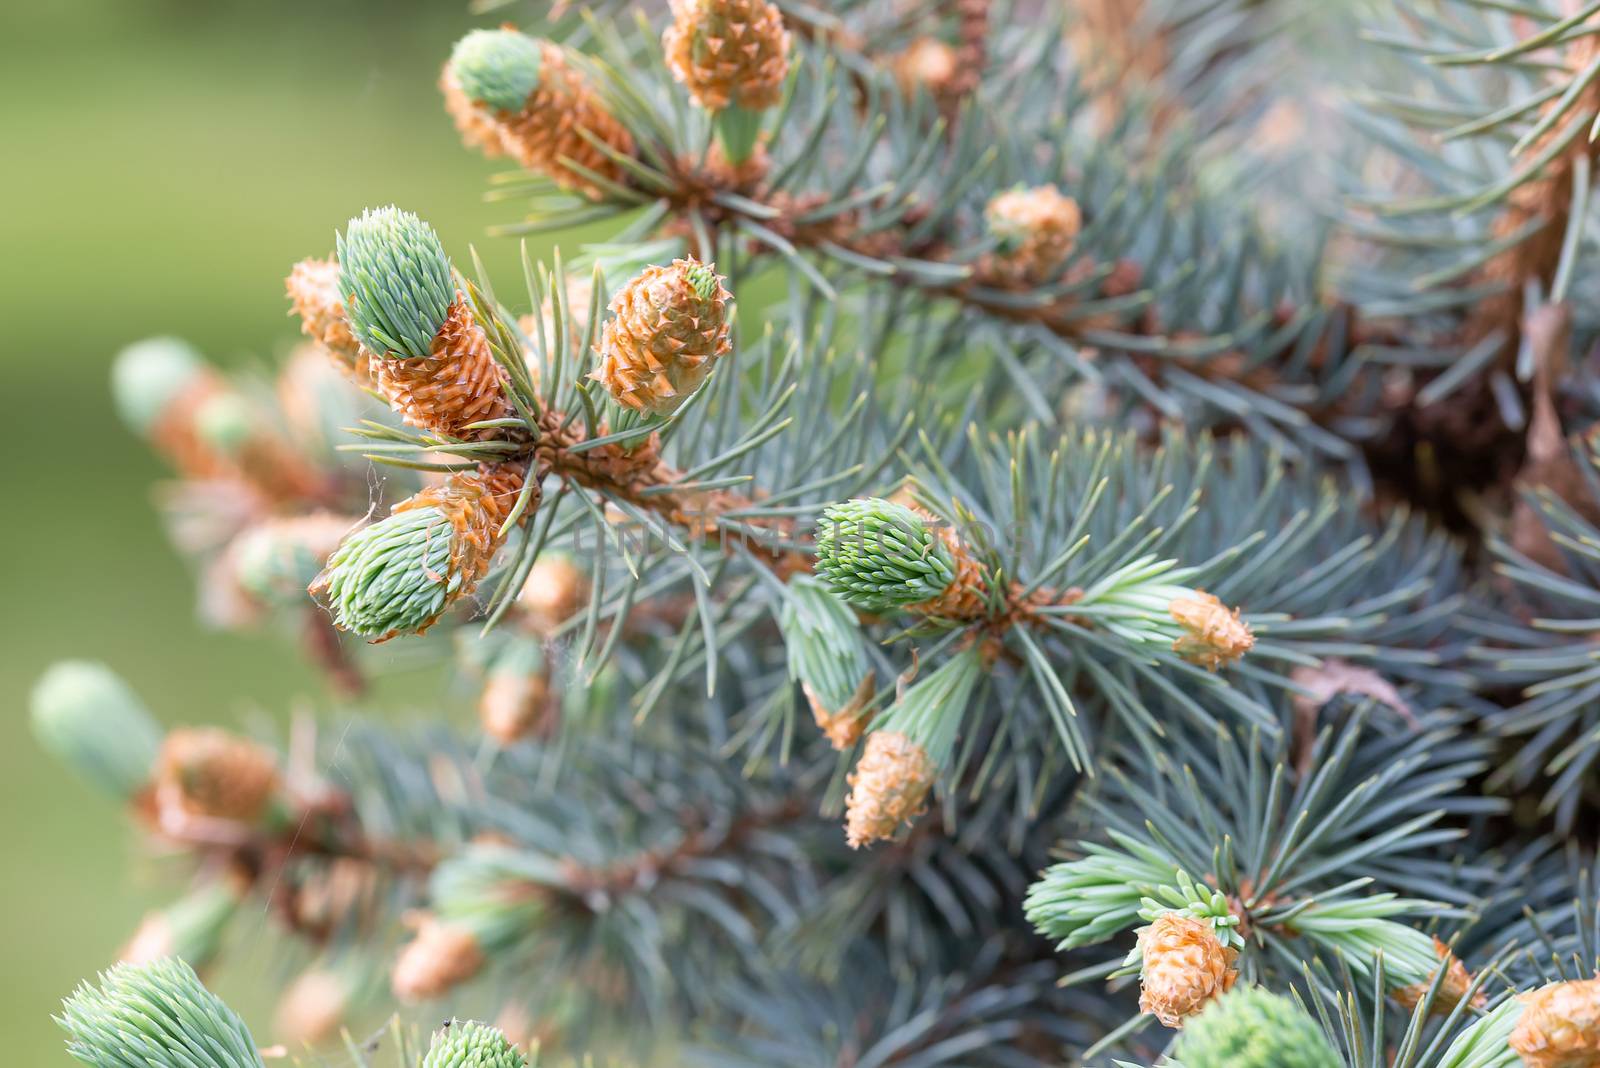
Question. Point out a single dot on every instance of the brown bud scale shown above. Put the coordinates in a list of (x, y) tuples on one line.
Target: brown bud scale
[(458, 383), (888, 787)]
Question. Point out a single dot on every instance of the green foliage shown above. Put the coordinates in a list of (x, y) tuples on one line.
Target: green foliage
[(824, 642), (499, 68), (930, 711), (156, 1015), (397, 281), (89, 719), (1253, 1028)]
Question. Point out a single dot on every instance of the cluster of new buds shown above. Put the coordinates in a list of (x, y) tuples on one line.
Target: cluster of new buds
[(732, 56), (206, 429), (1253, 1028), (1034, 231), (516, 95), (828, 659), (1187, 951), (906, 749), (668, 328)]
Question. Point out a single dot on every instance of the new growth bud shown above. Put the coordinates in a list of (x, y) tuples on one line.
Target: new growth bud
[(468, 1044), (1185, 966), (207, 772), (906, 750), (85, 716), (668, 327), (827, 658), (1212, 634), (396, 281), (1452, 989), (1560, 1026), (1252, 1028), (881, 556), (155, 1015), (190, 929), (1034, 230), (148, 376), (728, 53), (436, 367), (514, 94), (399, 575)]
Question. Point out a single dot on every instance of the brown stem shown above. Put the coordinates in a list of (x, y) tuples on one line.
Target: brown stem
[(643, 868), (626, 475)]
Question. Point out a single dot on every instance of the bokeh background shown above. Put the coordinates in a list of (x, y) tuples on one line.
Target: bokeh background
[(162, 163)]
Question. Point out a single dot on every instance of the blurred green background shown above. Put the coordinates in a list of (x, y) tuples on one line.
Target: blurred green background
[(164, 164)]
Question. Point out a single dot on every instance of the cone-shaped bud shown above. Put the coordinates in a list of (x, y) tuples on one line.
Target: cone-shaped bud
[(210, 773), (155, 1015), (1034, 230), (149, 376), (516, 700), (312, 1008), (498, 68), (85, 716), (827, 658), (907, 748), (190, 929), (440, 957), (1560, 1026), (468, 1044), (1185, 966), (396, 281), (556, 590), (398, 576), (514, 94), (275, 560), (881, 556), (516, 705), (206, 429), (437, 368), (888, 787), (486, 899), (668, 327), (1252, 1028), (1212, 634), (315, 296), (728, 52), (1452, 988), (927, 64)]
